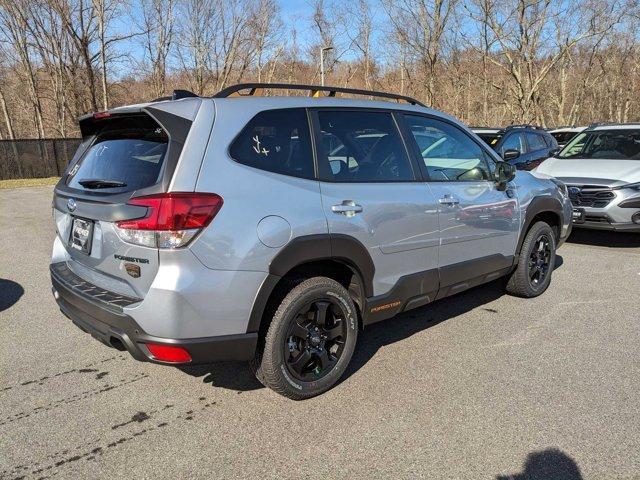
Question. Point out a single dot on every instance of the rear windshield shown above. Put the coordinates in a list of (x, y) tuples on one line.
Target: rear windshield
[(127, 154), (605, 145)]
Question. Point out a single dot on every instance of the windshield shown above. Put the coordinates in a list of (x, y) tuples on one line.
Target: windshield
[(127, 154), (490, 139), (604, 144)]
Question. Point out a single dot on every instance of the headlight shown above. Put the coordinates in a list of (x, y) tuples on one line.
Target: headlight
[(632, 186), (561, 186)]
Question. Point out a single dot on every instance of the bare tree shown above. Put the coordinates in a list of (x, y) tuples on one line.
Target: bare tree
[(3, 102), (528, 52), (14, 23), (359, 20), (421, 26), (485, 61), (158, 25), (195, 37), (265, 28)]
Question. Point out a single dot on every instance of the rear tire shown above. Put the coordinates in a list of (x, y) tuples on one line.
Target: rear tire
[(535, 263), (310, 340)]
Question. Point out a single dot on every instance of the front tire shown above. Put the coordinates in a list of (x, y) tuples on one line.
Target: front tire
[(535, 263), (310, 340)]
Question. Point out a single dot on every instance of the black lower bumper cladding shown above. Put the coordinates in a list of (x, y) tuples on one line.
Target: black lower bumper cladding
[(100, 313)]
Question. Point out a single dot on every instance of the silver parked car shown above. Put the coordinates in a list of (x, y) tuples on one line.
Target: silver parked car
[(601, 168), (273, 229)]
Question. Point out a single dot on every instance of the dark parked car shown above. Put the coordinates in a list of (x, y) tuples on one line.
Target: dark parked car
[(524, 146)]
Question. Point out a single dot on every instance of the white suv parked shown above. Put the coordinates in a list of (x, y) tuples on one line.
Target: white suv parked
[(601, 168)]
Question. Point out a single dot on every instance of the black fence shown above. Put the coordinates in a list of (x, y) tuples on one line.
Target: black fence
[(35, 158)]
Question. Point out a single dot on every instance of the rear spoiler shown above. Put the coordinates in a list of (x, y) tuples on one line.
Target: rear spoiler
[(186, 109)]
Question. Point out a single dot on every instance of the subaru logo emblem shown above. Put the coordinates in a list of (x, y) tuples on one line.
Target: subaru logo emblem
[(71, 204), (574, 190)]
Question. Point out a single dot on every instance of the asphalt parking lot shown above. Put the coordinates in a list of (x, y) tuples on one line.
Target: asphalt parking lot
[(481, 385)]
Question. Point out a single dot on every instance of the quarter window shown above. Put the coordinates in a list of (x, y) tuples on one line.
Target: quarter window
[(448, 153), (277, 141), (361, 146)]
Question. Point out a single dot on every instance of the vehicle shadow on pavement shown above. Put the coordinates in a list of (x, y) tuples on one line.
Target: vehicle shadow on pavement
[(550, 464), (602, 238), (407, 324), (238, 376), (230, 375), (10, 293)]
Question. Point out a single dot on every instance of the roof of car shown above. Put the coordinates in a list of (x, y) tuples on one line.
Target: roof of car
[(485, 129), (567, 129), (303, 101), (186, 107), (507, 128), (614, 126)]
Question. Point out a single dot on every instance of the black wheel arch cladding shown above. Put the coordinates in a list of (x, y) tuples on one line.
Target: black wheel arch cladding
[(340, 248), (537, 207)]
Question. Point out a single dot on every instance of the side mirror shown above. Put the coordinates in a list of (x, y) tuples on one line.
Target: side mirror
[(510, 154), (503, 174), (555, 151)]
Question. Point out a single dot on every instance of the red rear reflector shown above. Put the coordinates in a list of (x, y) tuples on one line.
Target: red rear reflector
[(175, 211), (101, 115), (168, 353)]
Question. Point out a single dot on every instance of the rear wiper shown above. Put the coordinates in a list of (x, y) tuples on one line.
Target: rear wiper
[(97, 183)]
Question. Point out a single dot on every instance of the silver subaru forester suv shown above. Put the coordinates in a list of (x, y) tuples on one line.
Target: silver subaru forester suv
[(273, 229)]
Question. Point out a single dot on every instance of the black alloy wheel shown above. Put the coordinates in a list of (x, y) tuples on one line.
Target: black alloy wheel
[(535, 263), (315, 339), (540, 260)]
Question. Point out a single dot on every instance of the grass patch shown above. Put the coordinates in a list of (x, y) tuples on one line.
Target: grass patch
[(28, 182)]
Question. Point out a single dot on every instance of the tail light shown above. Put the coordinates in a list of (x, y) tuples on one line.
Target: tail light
[(172, 219), (169, 353)]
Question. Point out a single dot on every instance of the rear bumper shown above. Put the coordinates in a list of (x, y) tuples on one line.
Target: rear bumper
[(106, 321)]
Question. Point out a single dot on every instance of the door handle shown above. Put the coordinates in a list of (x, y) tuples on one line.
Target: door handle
[(448, 200), (347, 207)]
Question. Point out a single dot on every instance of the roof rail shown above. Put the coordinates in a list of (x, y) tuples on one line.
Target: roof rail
[(314, 91)]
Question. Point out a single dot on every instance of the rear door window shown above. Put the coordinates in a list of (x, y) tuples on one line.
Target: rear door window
[(514, 141), (536, 141), (127, 154), (276, 141), (362, 146)]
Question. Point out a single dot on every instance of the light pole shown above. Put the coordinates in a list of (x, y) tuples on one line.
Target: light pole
[(322, 50)]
